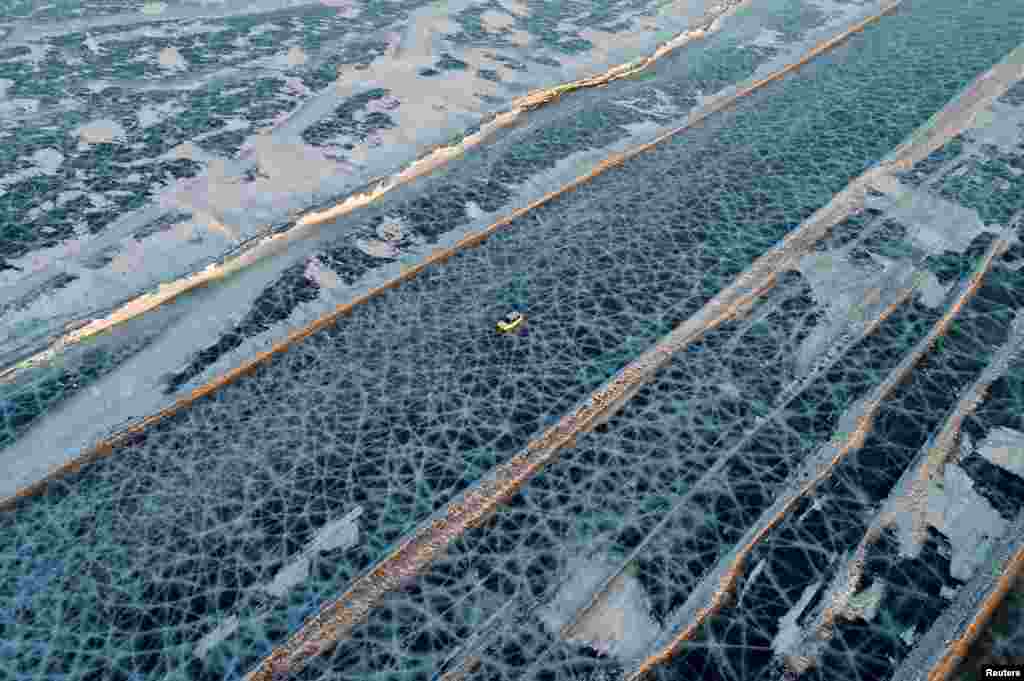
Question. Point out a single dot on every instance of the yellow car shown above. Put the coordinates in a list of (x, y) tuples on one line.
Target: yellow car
[(512, 322)]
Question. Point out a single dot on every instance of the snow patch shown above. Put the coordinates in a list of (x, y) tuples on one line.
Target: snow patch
[(346, 8), (767, 38), (618, 624), (46, 162), (966, 518), (789, 636), (150, 115), (342, 533), (288, 577), (933, 293), (934, 224), (320, 275), (20, 106), (999, 125), (291, 59), (391, 229), (103, 131), (225, 629), (92, 44), (377, 249), (494, 21), (1004, 447), (170, 58)]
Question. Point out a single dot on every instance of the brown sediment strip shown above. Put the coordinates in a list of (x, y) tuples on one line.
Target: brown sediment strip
[(107, 446), (853, 442), (269, 245), (958, 650), (539, 98)]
